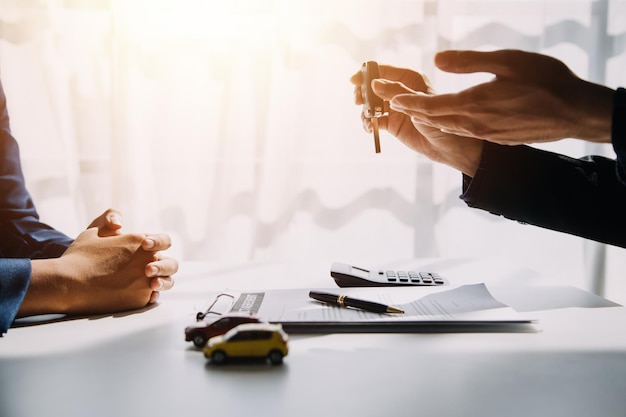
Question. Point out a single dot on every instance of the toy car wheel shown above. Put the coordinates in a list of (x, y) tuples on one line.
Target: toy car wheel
[(218, 357), (276, 357), (199, 340)]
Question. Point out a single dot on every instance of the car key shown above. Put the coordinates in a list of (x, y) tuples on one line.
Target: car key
[(373, 106)]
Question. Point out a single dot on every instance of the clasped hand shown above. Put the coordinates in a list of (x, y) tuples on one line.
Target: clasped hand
[(103, 271)]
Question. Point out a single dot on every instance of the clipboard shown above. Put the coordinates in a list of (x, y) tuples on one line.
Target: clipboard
[(467, 308)]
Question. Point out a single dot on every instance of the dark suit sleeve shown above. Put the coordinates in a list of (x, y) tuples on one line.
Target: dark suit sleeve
[(22, 235), (584, 197)]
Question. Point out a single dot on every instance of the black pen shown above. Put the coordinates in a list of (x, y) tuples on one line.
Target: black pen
[(345, 301)]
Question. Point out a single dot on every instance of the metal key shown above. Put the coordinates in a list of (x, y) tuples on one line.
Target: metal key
[(373, 106)]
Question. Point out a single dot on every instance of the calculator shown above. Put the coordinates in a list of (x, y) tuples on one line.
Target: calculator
[(346, 275)]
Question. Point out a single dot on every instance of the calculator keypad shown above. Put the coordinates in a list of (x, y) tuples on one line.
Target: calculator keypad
[(411, 277)]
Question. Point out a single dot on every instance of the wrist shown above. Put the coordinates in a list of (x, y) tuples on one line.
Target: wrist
[(592, 121), (618, 120), (618, 127), (468, 158), (47, 290)]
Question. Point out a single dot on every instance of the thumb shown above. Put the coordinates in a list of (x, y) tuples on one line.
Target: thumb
[(108, 223)]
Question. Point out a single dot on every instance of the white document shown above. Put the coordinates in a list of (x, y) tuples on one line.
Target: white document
[(467, 304)]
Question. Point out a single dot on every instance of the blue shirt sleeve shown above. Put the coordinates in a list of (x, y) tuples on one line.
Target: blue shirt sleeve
[(14, 279)]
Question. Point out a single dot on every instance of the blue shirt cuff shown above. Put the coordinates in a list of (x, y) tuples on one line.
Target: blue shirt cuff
[(14, 280)]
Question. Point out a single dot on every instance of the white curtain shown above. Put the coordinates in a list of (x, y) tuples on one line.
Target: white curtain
[(231, 125)]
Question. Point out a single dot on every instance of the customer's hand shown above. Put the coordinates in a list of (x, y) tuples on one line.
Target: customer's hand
[(97, 275), (532, 98), (160, 268), (458, 152)]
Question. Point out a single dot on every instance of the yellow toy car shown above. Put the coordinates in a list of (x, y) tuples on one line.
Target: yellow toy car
[(250, 340)]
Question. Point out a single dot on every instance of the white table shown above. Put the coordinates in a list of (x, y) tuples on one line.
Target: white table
[(139, 364)]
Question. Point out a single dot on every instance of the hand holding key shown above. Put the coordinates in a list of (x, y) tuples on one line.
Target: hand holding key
[(458, 152)]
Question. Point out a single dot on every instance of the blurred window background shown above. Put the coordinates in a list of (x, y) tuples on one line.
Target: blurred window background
[(231, 125)]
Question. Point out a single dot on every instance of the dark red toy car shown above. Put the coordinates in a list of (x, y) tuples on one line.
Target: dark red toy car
[(200, 332)]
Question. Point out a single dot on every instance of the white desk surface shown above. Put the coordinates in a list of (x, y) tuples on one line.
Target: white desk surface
[(138, 364)]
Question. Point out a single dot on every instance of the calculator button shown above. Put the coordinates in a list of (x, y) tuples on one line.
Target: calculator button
[(414, 277)]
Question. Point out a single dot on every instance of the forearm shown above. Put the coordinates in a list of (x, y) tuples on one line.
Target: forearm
[(47, 291)]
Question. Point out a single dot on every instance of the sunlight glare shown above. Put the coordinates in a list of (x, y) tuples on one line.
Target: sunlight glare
[(221, 25)]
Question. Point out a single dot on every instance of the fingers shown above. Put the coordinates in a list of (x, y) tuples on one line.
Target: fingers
[(433, 111), (389, 72), (108, 223), (156, 242), (505, 63), (154, 297), (113, 219), (159, 284), (162, 283), (419, 105), (412, 80), (161, 266), (357, 78), (387, 90), (160, 273), (502, 63), (358, 95)]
